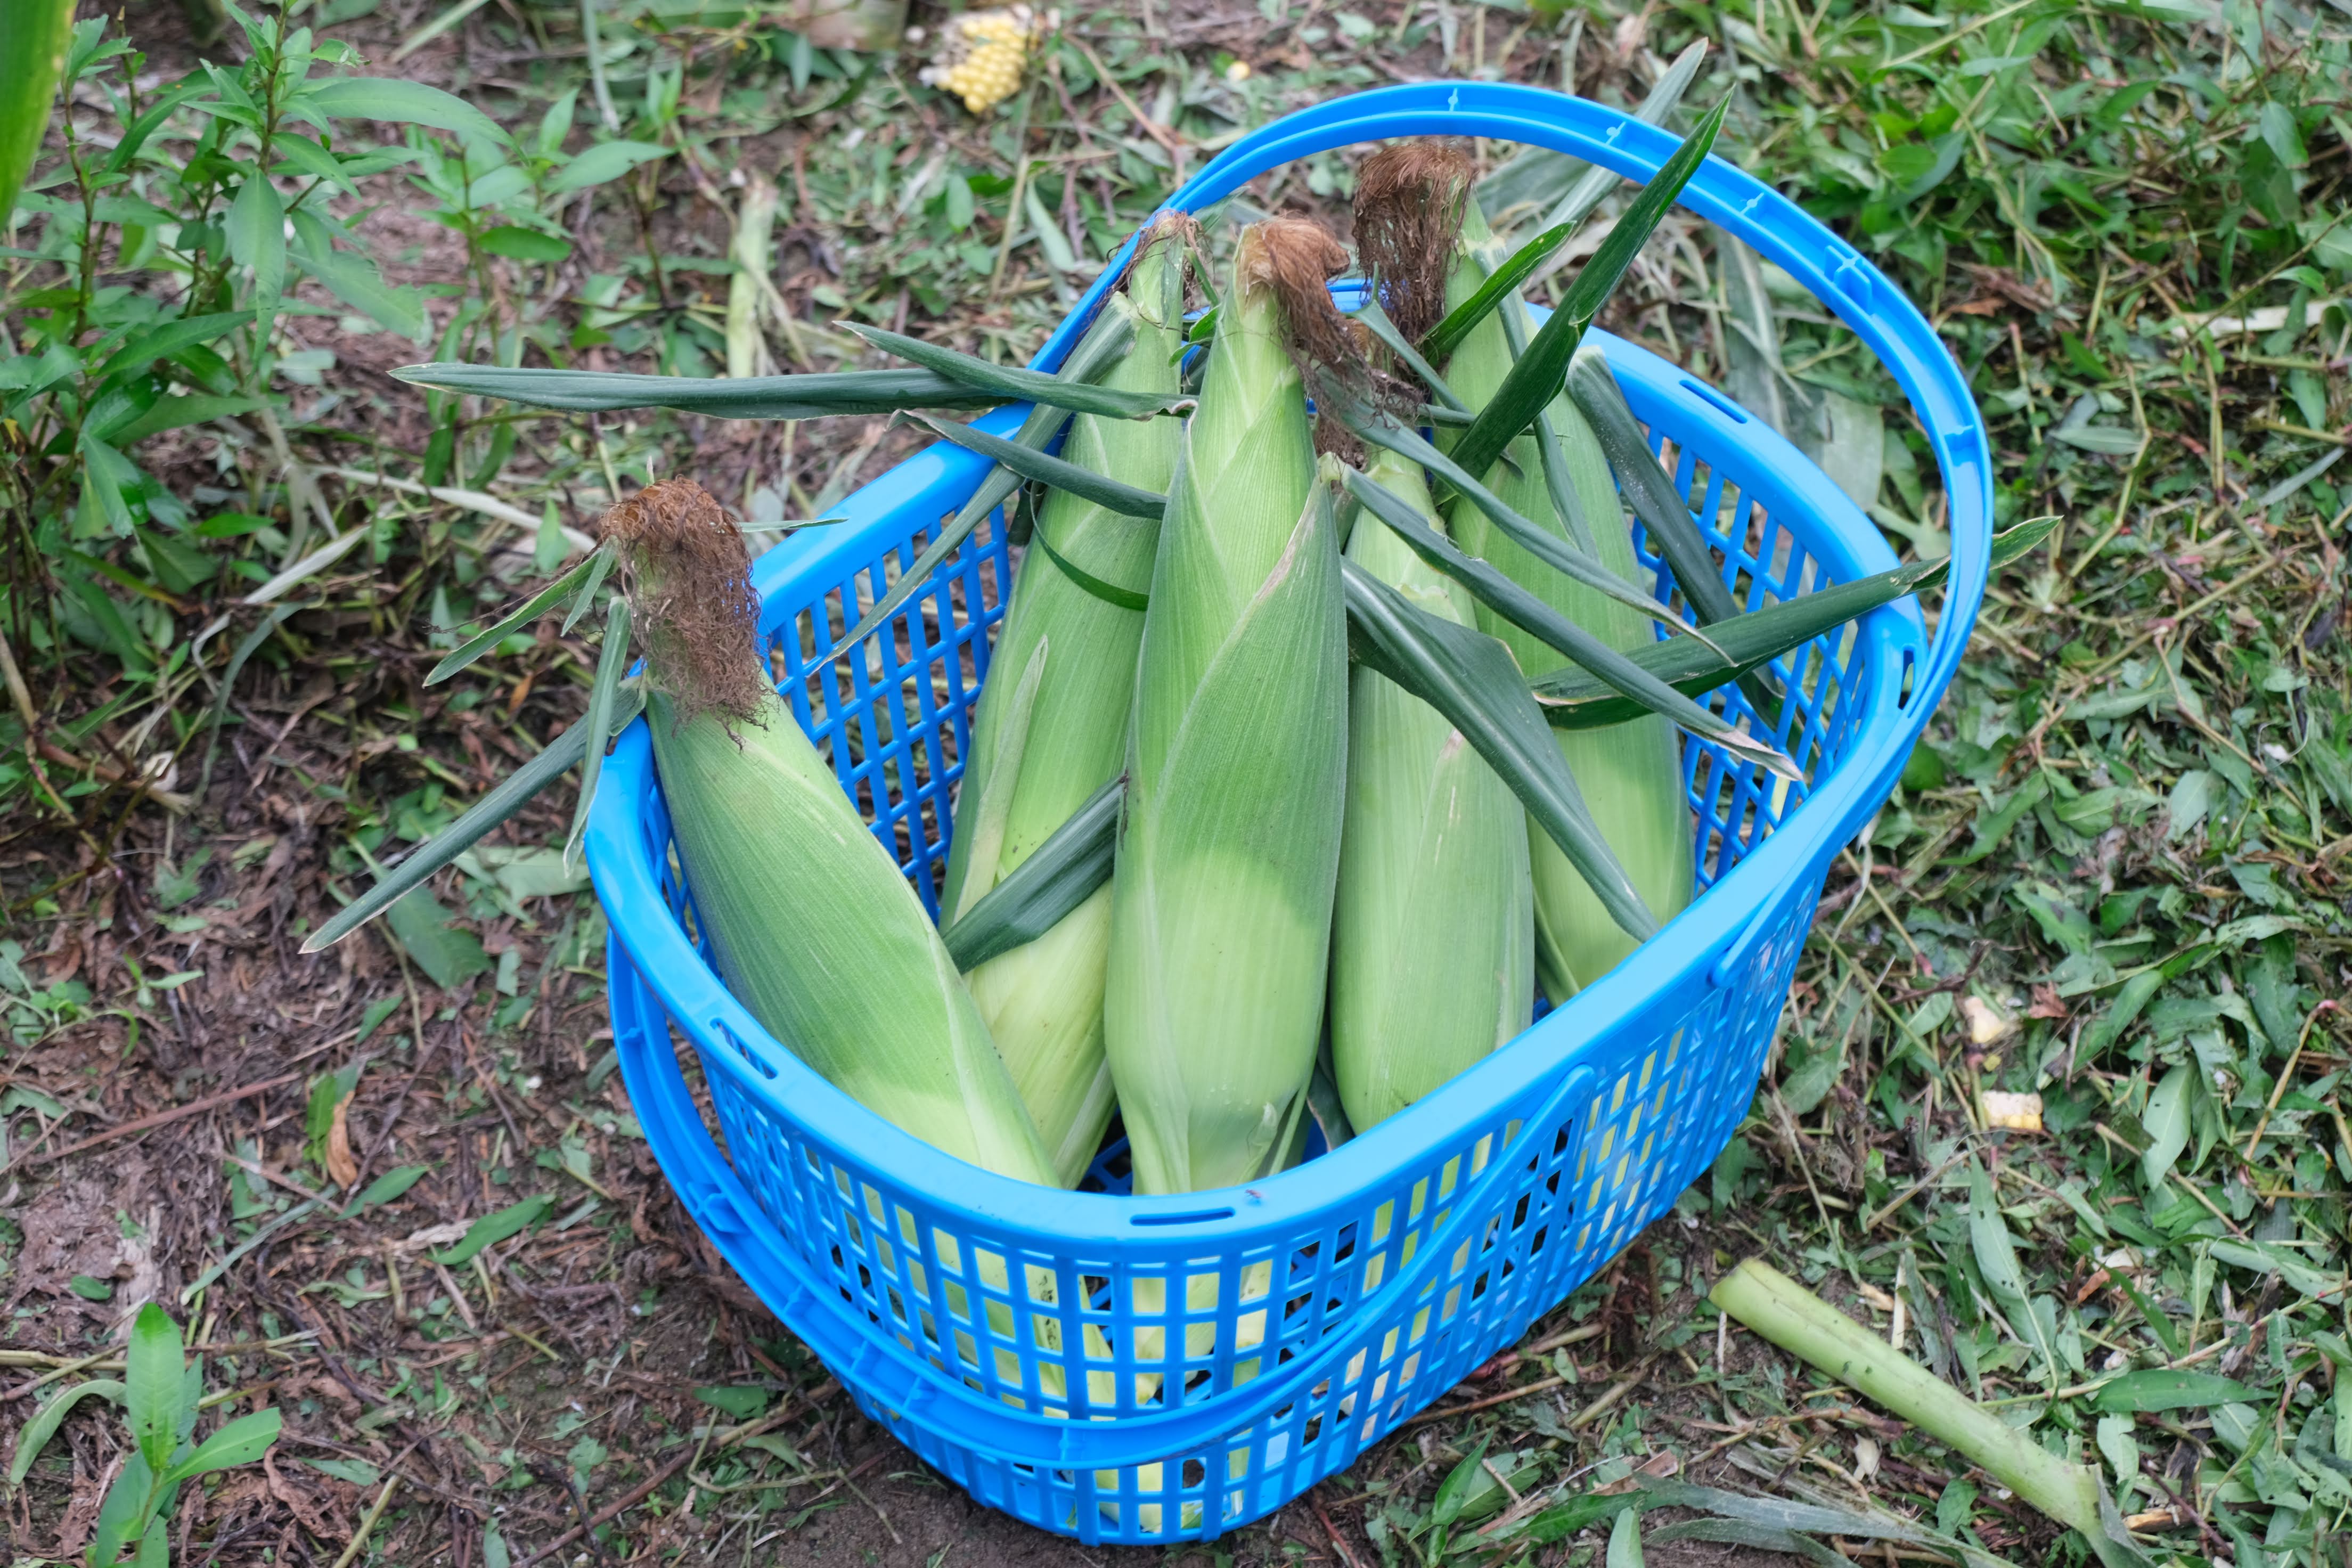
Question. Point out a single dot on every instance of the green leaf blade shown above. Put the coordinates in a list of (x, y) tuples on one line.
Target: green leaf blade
[(1467, 677), (1061, 874), (1536, 379)]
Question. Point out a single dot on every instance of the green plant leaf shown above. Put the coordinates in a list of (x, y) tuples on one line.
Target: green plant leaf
[(170, 338), (1472, 680), (154, 1364), (122, 1515), (388, 1187), (32, 57), (1104, 345), (604, 161), (1526, 610), (1061, 874), (257, 238), (1996, 1256), (400, 102), (1575, 699), (35, 1434), (604, 701), (1535, 380), (501, 803), (1593, 388), (2165, 1123), (449, 955), (1031, 464), (2136, 1392), (1010, 383), (1533, 538), (1463, 318), (530, 610), (1454, 1490), (493, 1228), (525, 243), (741, 1403), (1625, 1542), (749, 397), (241, 1442)]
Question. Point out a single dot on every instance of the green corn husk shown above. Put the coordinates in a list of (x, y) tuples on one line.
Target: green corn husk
[(1220, 909), (810, 922), (1631, 774), (816, 932), (1432, 938), (1051, 730)]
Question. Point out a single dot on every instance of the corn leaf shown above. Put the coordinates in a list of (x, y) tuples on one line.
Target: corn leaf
[(1471, 679), (501, 803), (604, 698), (1566, 504), (1011, 382), (1571, 184), (1596, 181), (1531, 536), (1447, 335), (1105, 344), (1536, 379), (1031, 464), (1376, 320), (530, 609), (1593, 388), (1525, 610), (752, 397), (601, 565), (1575, 698), (1060, 875)]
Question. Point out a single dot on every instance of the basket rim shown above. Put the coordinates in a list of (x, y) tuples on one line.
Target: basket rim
[(1163, 1231)]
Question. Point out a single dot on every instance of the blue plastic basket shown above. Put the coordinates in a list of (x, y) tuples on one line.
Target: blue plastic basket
[(1141, 1369)]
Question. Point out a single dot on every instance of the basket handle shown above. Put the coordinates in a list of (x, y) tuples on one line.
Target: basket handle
[(1838, 275), (904, 1383)]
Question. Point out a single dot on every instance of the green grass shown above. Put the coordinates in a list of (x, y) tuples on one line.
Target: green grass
[(2113, 878)]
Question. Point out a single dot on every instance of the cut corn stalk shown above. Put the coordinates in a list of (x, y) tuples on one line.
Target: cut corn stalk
[(1773, 1305), (1221, 898), (1631, 777), (1432, 934), (755, 227), (1051, 729)]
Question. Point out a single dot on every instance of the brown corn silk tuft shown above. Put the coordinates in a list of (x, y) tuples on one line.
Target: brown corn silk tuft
[(1296, 259), (1167, 226), (691, 584), (1409, 199)]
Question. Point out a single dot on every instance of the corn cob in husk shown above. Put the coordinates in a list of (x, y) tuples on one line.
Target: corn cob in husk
[(1221, 912), (1051, 729), (1631, 774), (1432, 942)]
